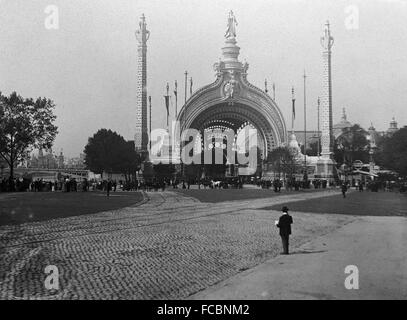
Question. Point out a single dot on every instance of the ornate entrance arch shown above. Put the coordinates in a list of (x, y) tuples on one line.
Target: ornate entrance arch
[(231, 101)]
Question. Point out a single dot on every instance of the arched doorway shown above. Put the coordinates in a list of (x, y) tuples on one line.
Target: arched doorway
[(231, 104)]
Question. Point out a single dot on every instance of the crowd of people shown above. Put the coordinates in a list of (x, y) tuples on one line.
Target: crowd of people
[(70, 184), (293, 184), (14, 184), (67, 184), (164, 183)]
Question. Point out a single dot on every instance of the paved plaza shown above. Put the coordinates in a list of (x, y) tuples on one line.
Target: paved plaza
[(316, 270), (168, 246)]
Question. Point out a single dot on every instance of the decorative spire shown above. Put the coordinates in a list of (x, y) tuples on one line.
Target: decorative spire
[(327, 40), (142, 34), (265, 86), (343, 114)]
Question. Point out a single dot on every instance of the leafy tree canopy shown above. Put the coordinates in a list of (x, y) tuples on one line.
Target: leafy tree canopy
[(351, 145), (110, 152), (25, 124), (393, 152), (282, 160)]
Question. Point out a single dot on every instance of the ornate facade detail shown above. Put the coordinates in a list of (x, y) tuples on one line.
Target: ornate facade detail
[(232, 100), (217, 67), (231, 88)]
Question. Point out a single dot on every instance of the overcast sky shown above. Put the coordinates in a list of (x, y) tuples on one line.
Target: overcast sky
[(88, 65)]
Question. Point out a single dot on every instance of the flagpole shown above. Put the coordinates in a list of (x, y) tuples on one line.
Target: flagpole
[(176, 99), (319, 137), (184, 117), (168, 96), (170, 135), (149, 100), (293, 111), (186, 84), (305, 130)]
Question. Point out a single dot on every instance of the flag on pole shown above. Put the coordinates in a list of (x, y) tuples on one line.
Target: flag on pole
[(292, 91), (167, 106), (175, 88), (190, 88)]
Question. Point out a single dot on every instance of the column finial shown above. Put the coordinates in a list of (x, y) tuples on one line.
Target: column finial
[(327, 40)]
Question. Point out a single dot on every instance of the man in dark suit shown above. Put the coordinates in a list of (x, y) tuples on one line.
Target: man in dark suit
[(284, 224), (344, 188)]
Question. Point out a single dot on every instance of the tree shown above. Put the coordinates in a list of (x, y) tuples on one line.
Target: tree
[(351, 145), (109, 152), (25, 124), (312, 149), (163, 170), (131, 160), (283, 161), (392, 152)]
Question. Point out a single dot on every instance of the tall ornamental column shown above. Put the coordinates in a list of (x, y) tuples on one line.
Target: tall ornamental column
[(327, 138), (141, 135)]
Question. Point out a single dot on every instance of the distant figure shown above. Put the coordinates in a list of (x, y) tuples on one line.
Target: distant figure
[(108, 187), (344, 188), (284, 224)]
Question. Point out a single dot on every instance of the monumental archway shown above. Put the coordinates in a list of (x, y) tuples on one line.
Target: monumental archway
[(232, 102)]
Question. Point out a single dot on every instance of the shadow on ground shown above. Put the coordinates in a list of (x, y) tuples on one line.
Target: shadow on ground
[(355, 203), (17, 208)]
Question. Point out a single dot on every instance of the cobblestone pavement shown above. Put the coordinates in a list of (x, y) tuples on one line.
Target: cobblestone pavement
[(169, 246)]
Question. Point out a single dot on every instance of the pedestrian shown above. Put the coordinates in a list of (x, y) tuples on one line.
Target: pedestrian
[(108, 187), (284, 224), (344, 188)]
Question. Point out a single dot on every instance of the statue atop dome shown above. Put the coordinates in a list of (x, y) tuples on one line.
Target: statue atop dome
[(231, 28)]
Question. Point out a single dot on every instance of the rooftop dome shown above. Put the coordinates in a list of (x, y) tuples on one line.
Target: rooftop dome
[(393, 126), (344, 123)]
